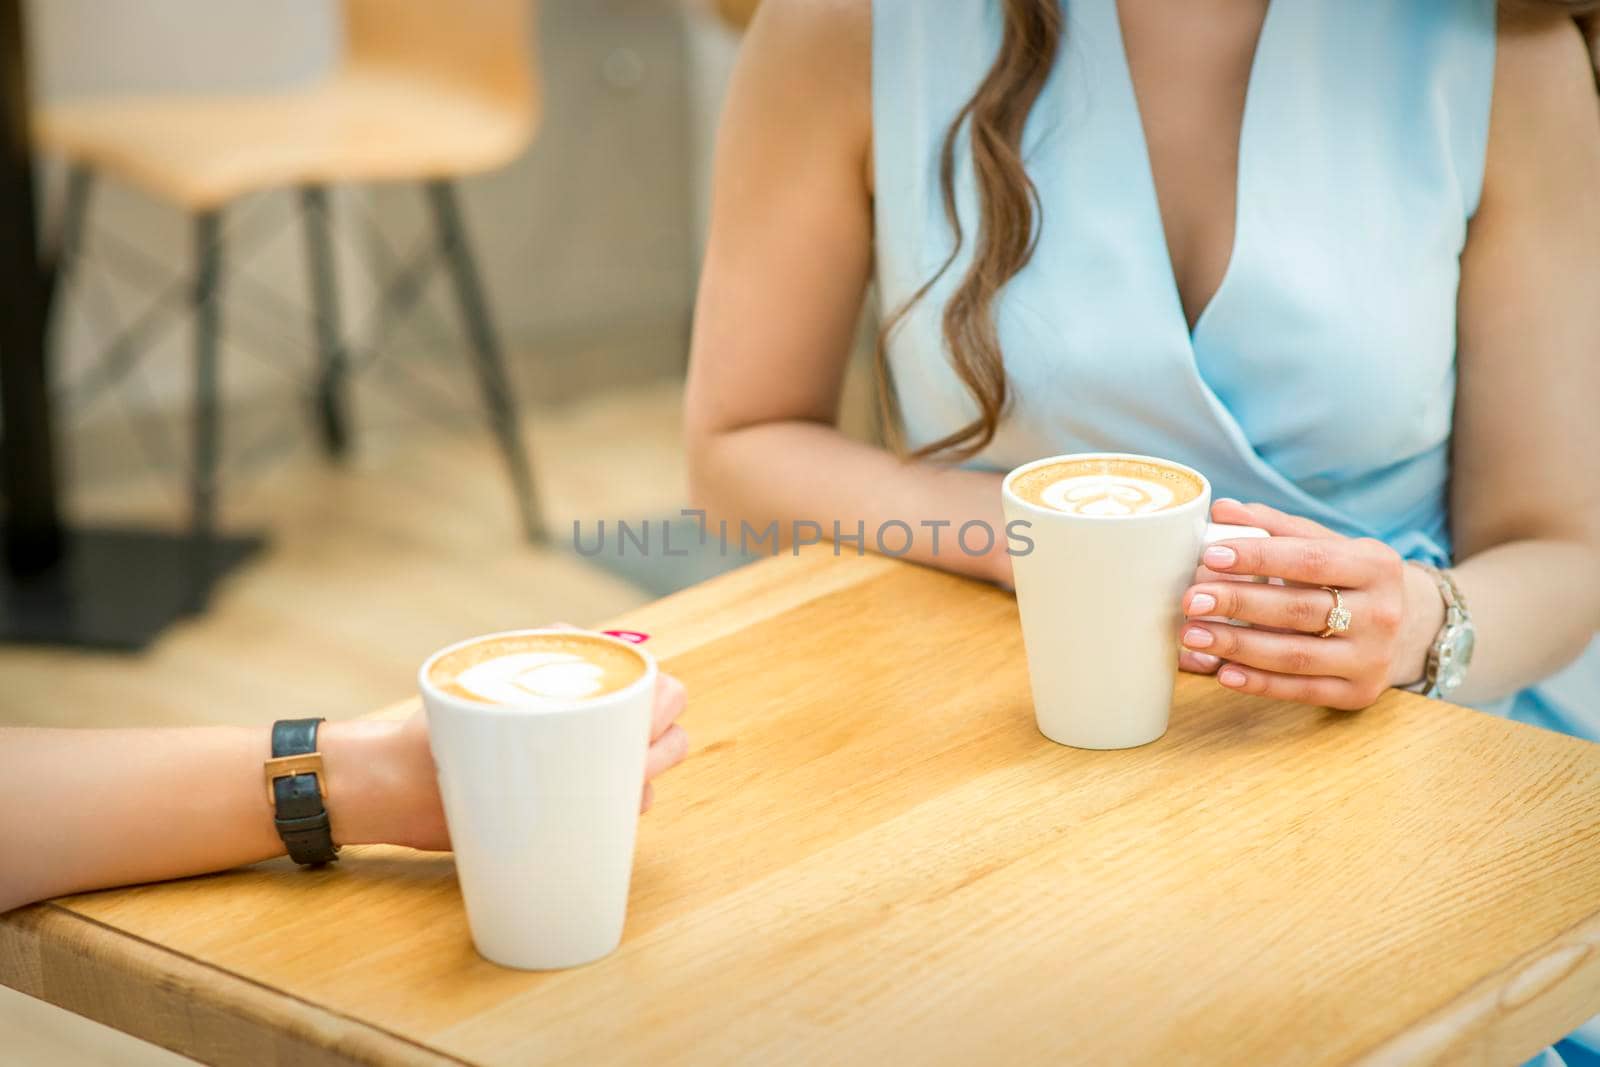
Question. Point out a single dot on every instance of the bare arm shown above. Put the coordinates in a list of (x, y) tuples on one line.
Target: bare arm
[(82, 809), (788, 262), (85, 809), (1525, 487)]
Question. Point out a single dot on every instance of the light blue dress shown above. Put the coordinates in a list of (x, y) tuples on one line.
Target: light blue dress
[(1321, 377)]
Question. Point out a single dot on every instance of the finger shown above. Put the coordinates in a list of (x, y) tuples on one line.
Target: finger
[(647, 798), (1284, 607), (666, 753), (1275, 522), (1343, 562), (1323, 692), (1203, 573), (1282, 653), (671, 698), (1198, 662)]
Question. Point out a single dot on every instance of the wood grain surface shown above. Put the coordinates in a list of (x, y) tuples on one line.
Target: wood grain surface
[(872, 856)]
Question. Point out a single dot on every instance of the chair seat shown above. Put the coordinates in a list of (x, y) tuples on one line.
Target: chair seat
[(362, 125)]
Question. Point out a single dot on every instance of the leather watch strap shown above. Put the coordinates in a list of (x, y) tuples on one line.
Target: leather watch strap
[(300, 816)]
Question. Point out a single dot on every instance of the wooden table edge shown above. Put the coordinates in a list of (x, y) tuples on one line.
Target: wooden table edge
[(173, 1000), (1511, 1013)]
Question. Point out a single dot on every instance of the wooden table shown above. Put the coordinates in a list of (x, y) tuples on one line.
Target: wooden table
[(872, 856)]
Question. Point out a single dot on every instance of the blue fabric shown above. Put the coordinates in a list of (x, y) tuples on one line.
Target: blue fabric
[(1582, 1049), (1321, 377)]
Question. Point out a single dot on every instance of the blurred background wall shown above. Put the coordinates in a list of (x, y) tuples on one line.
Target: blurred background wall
[(589, 243)]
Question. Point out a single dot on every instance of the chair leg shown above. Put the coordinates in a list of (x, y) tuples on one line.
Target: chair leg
[(332, 403), (69, 243), (207, 427), (69, 253), (490, 362)]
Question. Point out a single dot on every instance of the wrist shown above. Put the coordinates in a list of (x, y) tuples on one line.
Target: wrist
[(1424, 618), (368, 781)]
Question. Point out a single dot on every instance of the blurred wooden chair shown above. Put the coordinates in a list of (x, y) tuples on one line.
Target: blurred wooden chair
[(425, 92)]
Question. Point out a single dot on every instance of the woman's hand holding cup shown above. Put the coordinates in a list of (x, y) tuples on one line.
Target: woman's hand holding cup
[(1394, 612)]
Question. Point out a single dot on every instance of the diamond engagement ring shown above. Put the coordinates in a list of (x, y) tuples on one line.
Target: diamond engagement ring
[(1338, 615)]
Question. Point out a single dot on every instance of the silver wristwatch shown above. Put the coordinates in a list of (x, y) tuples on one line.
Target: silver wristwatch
[(1451, 653)]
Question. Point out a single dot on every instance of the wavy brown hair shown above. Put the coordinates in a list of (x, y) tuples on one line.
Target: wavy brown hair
[(1009, 217)]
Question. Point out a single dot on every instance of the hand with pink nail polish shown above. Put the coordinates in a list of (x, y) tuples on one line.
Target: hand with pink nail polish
[(1191, 660), (1287, 652)]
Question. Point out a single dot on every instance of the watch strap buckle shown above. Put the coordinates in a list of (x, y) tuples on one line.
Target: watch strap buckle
[(289, 766)]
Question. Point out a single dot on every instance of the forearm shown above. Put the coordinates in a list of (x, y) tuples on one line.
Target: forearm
[(798, 471), (1535, 605), (85, 809)]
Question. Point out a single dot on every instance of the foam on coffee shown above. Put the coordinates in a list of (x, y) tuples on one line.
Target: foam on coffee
[(536, 669), (1110, 487)]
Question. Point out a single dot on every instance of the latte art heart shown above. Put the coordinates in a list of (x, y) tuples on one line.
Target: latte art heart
[(1106, 487), (551, 675), (1101, 494), (537, 670)]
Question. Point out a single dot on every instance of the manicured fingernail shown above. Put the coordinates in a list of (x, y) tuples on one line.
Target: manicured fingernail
[(1205, 660), (1225, 500), (1219, 556), (1201, 604), (1231, 676), (1197, 637)]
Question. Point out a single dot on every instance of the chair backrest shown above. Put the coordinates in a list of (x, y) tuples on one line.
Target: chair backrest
[(483, 46)]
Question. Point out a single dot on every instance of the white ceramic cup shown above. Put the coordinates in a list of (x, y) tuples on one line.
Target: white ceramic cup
[(543, 805), (1099, 599)]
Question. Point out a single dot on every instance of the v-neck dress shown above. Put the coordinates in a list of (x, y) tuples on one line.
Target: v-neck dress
[(1321, 376)]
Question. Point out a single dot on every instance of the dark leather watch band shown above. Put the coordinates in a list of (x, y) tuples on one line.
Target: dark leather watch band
[(300, 816)]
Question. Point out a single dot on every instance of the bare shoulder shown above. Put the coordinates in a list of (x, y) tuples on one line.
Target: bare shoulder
[(831, 16), (1545, 106), (831, 39), (805, 77), (818, 16)]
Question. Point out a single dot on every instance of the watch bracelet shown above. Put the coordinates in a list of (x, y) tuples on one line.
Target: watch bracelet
[(1455, 613)]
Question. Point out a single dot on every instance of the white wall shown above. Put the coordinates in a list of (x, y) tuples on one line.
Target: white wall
[(94, 46)]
